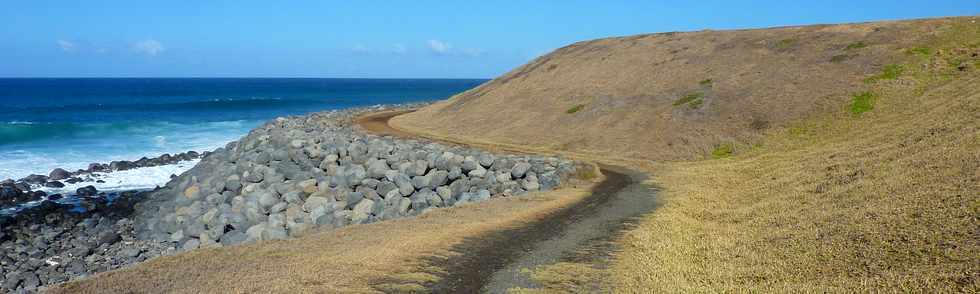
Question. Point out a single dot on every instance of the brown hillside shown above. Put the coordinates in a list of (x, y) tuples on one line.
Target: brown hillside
[(673, 96)]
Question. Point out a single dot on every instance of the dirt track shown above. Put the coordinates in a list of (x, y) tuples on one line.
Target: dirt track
[(493, 263)]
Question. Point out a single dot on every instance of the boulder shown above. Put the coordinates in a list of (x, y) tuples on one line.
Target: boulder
[(469, 163), (233, 183), (35, 179), (190, 244), (233, 237), (122, 165), (54, 184), (404, 184), (362, 211), (486, 160), (420, 182), (321, 215), (87, 191), (253, 176), (377, 169), (254, 233), (478, 172), (314, 202), (193, 192), (108, 238), (58, 174), (308, 186), (96, 167), (267, 199), (520, 169)]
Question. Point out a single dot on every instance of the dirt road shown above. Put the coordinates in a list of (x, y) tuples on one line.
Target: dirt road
[(495, 262)]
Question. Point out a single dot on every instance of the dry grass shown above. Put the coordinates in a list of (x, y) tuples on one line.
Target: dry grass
[(386, 256), (567, 277), (760, 79), (889, 200)]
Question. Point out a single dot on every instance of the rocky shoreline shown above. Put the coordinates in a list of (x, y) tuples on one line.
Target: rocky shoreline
[(288, 177), (15, 192)]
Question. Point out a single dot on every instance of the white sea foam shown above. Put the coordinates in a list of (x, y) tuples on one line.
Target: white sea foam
[(22, 159), (133, 179)]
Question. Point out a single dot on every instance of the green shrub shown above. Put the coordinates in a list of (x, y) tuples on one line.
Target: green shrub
[(706, 82), (839, 58), (696, 103), (862, 102), (855, 46), (723, 150), (689, 98), (920, 51), (575, 108), (786, 43), (890, 72)]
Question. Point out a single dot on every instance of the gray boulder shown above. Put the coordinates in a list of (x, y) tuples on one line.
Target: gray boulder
[(520, 169), (362, 211), (377, 169)]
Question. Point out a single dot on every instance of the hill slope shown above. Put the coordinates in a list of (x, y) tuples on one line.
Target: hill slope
[(672, 95), (848, 174)]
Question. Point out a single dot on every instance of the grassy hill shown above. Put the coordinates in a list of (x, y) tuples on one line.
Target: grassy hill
[(674, 96), (834, 158)]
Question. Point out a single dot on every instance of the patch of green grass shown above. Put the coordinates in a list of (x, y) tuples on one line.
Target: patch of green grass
[(890, 72), (862, 102), (696, 103), (694, 100), (840, 58), (924, 52), (575, 109), (955, 61), (706, 82), (855, 46), (786, 43), (723, 151)]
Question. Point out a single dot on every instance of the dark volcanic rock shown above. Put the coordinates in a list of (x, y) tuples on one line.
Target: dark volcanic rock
[(121, 165), (108, 238), (97, 167), (35, 179), (86, 191), (58, 174), (54, 184), (11, 194)]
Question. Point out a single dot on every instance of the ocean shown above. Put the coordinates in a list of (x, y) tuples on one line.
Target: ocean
[(69, 123)]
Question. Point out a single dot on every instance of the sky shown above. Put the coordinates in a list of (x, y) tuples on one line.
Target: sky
[(369, 39)]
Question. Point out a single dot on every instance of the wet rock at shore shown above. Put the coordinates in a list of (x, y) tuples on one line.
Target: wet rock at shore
[(58, 174), (14, 193), (52, 243), (86, 191)]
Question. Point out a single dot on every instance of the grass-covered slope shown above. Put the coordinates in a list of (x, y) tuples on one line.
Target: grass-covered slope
[(673, 96), (883, 193)]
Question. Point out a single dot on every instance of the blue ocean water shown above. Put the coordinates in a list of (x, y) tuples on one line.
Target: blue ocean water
[(68, 123)]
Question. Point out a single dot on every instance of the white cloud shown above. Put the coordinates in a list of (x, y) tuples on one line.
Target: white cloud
[(67, 46), (399, 49), (360, 48), (439, 47), (149, 47), (472, 52)]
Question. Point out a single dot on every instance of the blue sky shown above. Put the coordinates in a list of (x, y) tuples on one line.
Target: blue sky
[(411, 39)]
